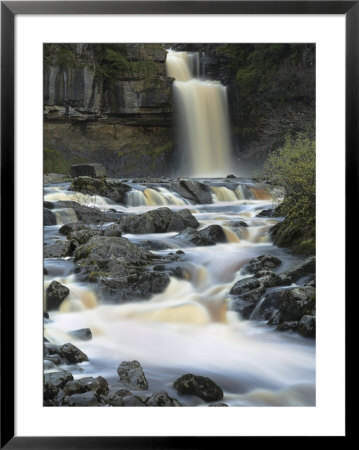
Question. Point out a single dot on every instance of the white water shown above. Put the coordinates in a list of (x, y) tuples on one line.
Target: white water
[(188, 328), (204, 121)]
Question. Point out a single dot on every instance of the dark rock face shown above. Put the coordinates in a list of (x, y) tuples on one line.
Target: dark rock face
[(296, 303), (192, 190), (306, 326), (199, 386), (122, 121), (162, 398), (59, 249), (112, 189), (72, 354), (161, 220), (132, 376), (49, 217), (55, 294), (245, 285), (263, 262), (93, 170), (84, 334), (98, 385)]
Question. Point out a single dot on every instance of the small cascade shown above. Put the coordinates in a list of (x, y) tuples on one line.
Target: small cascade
[(153, 197), (223, 194), (65, 215), (231, 236)]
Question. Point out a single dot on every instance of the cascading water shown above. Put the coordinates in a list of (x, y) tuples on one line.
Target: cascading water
[(203, 116), (190, 328)]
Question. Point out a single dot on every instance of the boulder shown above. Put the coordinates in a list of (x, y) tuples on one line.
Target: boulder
[(161, 220), (299, 270), (59, 249), (296, 303), (55, 295), (49, 217), (245, 303), (244, 285), (218, 404), (113, 230), (306, 326), (72, 354), (93, 170), (208, 236), (53, 381), (85, 399), (82, 236), (98, 385), (115, 190), (132, 400), (192, 190), (84, 334), (162, 398), (70, 227), (202, 387), (132, 376), (263, 262)]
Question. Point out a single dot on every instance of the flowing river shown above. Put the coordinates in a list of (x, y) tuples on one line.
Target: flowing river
[(190, 327)]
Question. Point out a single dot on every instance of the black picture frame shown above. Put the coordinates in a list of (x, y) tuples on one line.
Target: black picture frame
[(9, 9)]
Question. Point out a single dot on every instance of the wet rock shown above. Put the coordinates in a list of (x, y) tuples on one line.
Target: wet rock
[(202, 387), (162, 398), (263, 262), (192, 190), (82, 236), (52, 348), (55, 295), (49, 217), (114, 400), (98, 385), (245, 285), (134, 286), (152, 245), (59, 249), (132, 400), (70, 227), (59, 397), (88, 214), (48, 365), (306, 326), (161, 220), (246, 303), (270, 212), (299, 270), (72, 354), (55, 359), (110, 188), (113, 230), (287, 326), (132, 376), (93, 170), (54, 381), (218, 404), (296, 303), (208, 236), (85, 399), (84, 334)]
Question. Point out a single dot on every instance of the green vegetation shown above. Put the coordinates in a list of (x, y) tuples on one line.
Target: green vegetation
[(62, 55), (275, 93), (55, 162), (292, 169), (112, 62)]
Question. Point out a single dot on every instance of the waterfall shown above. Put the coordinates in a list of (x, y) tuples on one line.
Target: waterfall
[(203, 116)]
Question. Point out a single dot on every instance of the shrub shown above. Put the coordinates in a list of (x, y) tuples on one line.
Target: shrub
[(292, 169)]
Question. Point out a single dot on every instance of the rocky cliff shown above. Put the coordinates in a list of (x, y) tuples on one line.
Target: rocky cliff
[(110, 104)]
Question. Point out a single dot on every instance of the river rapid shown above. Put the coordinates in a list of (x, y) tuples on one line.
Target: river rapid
[(190, 327)]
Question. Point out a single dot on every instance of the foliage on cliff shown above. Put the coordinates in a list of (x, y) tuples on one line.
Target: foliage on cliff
[(275, 93), (55, 162), (292, 169)]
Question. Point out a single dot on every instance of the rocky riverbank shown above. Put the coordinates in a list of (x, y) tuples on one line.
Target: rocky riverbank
[(173, 253)]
